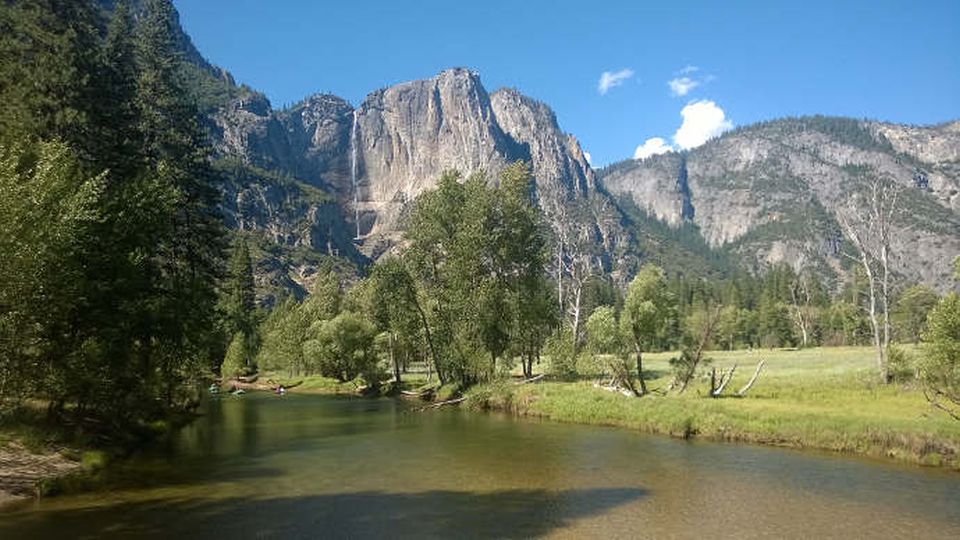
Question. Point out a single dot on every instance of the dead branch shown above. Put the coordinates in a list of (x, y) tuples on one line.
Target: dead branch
[(756, 374), (530, 380), (725, 378), (935, 402), (439, 404)]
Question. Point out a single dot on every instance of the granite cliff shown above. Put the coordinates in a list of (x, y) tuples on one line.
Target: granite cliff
[(773, 192)]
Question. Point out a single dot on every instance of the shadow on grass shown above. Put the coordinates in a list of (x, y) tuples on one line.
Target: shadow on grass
[(368, 514)]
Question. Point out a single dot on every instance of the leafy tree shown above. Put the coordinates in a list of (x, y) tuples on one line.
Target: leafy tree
[(343, 348), (477, 256), (396, 310), (560, 348), (48, 208), (609, 347), (646, 312), (940, 370), (190, 247)]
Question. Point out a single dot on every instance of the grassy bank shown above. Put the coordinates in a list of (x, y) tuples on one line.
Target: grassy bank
[(825, 398)]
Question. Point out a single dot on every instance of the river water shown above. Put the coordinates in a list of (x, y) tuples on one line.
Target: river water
[(298, 466)]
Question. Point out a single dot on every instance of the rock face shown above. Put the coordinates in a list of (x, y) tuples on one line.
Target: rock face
[(407, 135), (376, 159), (772, 192)]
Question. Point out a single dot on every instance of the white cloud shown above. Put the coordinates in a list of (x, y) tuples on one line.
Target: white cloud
[(588, 157), (609, 79), (652, 147), (682, 86), (688, 70), (702, 120)]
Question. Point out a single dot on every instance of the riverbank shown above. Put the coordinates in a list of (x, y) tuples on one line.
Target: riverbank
[(826, 399), (24, 473)]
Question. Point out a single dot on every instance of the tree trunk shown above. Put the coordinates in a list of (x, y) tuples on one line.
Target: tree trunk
[(643, 382), (393, 359), (576, 316), (874, 323), (426, 331)]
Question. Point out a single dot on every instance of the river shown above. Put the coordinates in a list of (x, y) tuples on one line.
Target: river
[(301, 466)]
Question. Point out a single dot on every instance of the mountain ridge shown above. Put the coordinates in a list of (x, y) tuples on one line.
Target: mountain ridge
[(374, 158)]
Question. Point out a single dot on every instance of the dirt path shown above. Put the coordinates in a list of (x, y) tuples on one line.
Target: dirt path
[(21, 470)]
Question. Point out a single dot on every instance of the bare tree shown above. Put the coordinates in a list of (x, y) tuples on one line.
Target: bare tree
[(574, 260), (867, 223), (800, 293)]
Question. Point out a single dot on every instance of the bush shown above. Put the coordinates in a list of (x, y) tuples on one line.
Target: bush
[(901, 366), (563, 356), (941, 366)]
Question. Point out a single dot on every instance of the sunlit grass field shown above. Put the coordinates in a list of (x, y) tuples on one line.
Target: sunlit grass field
[(825, 398)]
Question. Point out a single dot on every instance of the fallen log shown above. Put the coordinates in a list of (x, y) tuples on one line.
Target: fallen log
[(439, 404), (530, 380), (616, 389), (423, 394)]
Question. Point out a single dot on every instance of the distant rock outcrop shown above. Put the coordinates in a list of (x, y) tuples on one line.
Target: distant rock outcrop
[(771, 192), (376, 159)]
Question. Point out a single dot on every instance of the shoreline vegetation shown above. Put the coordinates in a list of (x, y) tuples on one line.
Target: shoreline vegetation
[(820, 398), (824, 399)]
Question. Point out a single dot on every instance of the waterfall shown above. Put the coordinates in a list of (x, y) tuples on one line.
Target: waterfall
[(353, 173)]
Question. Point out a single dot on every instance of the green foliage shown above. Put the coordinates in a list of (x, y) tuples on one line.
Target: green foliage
[(239, 357), (395, 309), (48, 210), (909, 312), (940, 370), (477, 255), (647, 309), (609, 346), (343, 348), (238, 294), (559, 346), (775, 325), (604, 334), (901, 366)]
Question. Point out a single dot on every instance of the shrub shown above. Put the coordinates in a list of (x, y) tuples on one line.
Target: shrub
[(901, 366), (563, 355)]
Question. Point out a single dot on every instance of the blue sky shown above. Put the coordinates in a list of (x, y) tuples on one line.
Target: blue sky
[(731, 63)]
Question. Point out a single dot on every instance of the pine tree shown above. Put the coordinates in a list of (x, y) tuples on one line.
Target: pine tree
[(191, 243), (239, 292), (48, 63)]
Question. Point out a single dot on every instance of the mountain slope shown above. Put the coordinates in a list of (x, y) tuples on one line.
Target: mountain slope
[(377, 158), (771, 192)]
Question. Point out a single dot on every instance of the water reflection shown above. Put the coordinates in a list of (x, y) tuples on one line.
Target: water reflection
[(311, 467)]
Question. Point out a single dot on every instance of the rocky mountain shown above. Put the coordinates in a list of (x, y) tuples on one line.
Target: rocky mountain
[(326, 179), (375, 159), (773, 192)]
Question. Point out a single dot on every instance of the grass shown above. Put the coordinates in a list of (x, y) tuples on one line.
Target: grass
[(824, 398)]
